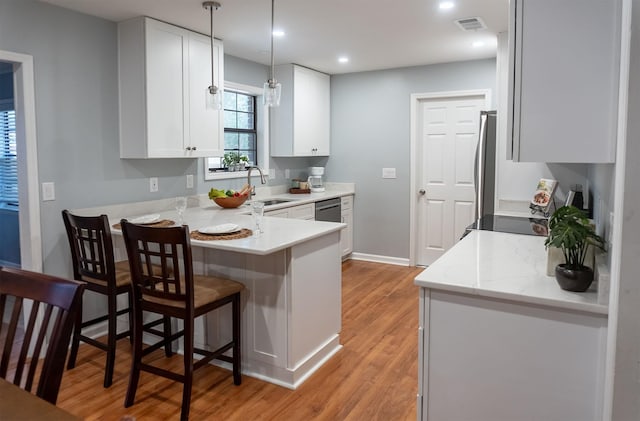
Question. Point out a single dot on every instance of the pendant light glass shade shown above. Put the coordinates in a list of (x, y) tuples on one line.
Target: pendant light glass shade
[(213, 94), (271, 94), (272, 89)]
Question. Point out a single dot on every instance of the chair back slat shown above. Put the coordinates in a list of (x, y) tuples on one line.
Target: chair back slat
[(167, 248), (48, 328), (91, 245)]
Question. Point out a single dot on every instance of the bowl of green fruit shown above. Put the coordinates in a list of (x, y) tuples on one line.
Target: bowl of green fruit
[(229, 198)]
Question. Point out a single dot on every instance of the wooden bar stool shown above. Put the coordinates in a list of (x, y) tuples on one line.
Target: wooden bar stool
[(57, 300), (93, 262), (175, 292)]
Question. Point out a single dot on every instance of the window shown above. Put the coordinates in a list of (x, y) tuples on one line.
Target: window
[(240, 128), (8, 159), (246, 131)]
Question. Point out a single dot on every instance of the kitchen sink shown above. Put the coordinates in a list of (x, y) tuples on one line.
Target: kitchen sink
[(274, 201)]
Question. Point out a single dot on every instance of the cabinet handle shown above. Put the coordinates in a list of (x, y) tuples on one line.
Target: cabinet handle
[(193, 148), (422, 191)]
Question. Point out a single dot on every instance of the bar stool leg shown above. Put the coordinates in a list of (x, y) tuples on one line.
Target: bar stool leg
[(111, 339), (136, 360), (167, 333), (237, 359), (188, 369), (75, 340)]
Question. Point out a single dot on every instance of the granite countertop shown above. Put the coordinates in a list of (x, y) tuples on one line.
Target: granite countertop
[(505, 266)]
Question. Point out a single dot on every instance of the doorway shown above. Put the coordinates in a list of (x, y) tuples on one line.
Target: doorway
[(30, 239), (444, 136)]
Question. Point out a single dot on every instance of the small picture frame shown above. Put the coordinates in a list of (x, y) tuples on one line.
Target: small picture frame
[(543, 196)]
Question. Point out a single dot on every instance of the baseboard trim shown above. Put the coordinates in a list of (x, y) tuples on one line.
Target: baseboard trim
[(380, 259)]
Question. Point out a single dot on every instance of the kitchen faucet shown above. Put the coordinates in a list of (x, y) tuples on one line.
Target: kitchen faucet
[(252, 189)]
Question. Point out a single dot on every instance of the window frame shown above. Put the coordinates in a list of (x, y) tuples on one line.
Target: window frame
[(11, 201), (262, 135)]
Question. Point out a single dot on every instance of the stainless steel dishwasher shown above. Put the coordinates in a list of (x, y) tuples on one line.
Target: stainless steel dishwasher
[(329, 210)]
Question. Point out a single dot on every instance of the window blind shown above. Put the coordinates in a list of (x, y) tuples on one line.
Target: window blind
[(8, 159)]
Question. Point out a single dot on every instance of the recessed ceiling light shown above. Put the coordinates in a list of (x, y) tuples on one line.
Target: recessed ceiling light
[(343, 59), (446, 5), (478, 44), (278, 33)]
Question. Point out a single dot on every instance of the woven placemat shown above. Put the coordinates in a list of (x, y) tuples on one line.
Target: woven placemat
[(160, 224), (243, 233)]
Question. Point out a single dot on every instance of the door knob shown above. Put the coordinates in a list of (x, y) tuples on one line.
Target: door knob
[(422, 191)]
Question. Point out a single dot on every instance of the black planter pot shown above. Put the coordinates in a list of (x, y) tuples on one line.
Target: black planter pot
[(576, 280)]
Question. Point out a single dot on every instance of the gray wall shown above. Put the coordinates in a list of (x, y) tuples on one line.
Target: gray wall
[(370, 115), (76, 90)]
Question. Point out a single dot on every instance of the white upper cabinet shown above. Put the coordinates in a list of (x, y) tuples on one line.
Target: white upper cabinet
[(300, 126), (164, 73), (563, 88)]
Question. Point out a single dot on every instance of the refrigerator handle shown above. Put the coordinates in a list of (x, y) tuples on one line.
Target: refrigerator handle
[(480, 165)]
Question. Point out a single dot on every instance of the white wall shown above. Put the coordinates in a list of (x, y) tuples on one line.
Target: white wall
[(626, 400)]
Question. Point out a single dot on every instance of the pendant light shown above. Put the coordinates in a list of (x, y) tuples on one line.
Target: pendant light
[(271, 95), (213, 94)]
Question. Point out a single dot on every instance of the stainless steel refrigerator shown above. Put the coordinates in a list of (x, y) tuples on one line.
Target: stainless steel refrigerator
[(485, 164)]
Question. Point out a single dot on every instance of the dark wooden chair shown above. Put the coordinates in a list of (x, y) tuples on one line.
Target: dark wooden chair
[(56, 300), (93, 262), (175, 292)]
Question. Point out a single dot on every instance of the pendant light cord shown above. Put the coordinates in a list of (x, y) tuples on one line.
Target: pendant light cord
[(213, 89), (272, 82)]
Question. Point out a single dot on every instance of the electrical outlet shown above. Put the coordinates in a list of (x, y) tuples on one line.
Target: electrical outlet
[(189, 181), (153, 184), (287, 173), (272, 174), (388, 173), (48, 191)]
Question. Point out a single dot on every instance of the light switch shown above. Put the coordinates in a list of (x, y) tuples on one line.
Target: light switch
[(388, 173), (189, 181), (48, 191)]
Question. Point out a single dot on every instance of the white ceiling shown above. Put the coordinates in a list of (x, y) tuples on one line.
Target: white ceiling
[(374, 34)]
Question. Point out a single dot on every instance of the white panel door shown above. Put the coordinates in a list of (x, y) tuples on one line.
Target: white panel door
[(447, 140)]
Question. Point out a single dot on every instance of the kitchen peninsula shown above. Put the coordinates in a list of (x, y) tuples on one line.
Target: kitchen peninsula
[(499, 339), (291, 311)]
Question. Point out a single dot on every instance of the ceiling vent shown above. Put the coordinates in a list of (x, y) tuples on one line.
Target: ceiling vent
[(470, 24)]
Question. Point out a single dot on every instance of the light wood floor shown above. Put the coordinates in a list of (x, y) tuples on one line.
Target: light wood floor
[(373, 377)]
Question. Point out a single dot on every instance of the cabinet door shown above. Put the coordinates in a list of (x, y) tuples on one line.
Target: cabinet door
[(346, 235), (311, 112), (564, 91), (205, 124), (165, 84)]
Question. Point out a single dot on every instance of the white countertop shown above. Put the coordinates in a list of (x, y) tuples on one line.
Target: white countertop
[(279, 233), (505, 266)]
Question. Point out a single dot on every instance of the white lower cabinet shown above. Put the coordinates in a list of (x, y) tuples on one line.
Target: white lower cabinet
[(491, 359), (346, 235), (306, 211)]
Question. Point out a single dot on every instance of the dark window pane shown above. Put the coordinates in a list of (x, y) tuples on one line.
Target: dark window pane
[(245, 103), (245, 121), (231, 140), (247, 141), (230, 119)]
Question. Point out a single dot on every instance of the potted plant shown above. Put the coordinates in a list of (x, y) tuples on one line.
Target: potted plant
[(571, 231), (234, 161)]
